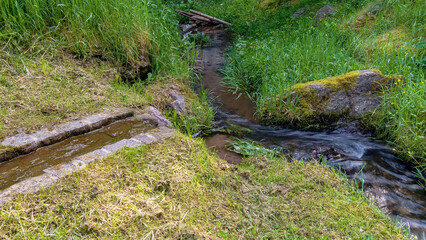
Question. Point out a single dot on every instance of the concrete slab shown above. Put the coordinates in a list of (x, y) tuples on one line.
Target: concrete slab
[(64, 169), (30, 185), (26, 143), (144, 138), (94, 156), (47, 137), (162, 133), (122, 144)]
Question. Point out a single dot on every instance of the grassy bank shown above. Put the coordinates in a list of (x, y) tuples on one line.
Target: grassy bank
[(274, 51), (179, 190), (60, 60)]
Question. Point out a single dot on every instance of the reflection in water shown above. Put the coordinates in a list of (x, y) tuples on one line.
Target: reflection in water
[(33, 164), (388, 180)]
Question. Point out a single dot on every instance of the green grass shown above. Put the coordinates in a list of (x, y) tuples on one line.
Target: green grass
[(273, 51), (179, 190), (60, 60), (127, 33)]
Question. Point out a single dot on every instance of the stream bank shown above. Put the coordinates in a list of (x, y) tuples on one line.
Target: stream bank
[(383, 177)]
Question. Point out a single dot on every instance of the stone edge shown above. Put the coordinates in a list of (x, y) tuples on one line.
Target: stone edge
[(54, 174), (26, 143)]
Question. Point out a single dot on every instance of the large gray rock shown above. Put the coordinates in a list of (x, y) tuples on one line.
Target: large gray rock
[(349, 96)]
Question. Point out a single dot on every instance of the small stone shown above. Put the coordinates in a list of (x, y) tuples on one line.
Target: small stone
[(325, 11), (299, 12), (162, 121), (178, 104)]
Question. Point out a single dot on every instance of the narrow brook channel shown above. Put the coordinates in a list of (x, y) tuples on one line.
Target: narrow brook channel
[(34, 163), (388, 179)]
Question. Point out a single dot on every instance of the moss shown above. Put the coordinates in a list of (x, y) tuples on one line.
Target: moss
[(7, 152), (271, 4), (345, 81), (309, 103), (392, 41), (294, 2)]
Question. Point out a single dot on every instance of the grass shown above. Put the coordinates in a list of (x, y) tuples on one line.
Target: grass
[(60, 60), (179, 190), (273, 51), (129, 34)]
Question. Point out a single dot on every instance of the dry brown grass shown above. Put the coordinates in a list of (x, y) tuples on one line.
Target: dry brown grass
[(57, 90)]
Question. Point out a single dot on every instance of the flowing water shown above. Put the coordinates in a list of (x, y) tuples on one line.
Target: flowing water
[(390, 181), (34, 163)]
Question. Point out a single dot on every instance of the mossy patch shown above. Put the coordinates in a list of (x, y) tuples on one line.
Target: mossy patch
[(394, 41), (342, 82), (7, 152), (311, 98), (365, 17), (270, 4)]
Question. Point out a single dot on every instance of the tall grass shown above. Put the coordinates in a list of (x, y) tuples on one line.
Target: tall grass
[(273, 51), (125, 32)]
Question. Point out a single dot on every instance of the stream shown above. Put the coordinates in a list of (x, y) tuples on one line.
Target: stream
[(385, 178), (33, 164)]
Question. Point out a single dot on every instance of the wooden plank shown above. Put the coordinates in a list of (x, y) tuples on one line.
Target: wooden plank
[(210, 17), (194, 17)]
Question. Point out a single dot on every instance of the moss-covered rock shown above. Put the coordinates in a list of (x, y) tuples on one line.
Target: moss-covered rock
[(345, 97)]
